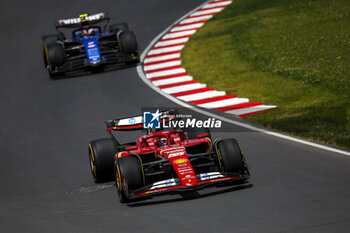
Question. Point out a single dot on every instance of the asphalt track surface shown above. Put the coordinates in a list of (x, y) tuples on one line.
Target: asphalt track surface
[(46, 125)]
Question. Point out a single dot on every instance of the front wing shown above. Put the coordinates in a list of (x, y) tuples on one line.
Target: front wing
[(106, 59), (174, 185)]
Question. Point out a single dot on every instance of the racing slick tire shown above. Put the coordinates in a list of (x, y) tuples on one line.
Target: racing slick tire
[(231, 155), (129, 176), (101, 156), (55, 55), (128, 42), (55, 58), (44, 42), (114, 28)]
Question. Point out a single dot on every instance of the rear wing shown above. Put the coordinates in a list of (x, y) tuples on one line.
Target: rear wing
[(76, 22), (136, 122)]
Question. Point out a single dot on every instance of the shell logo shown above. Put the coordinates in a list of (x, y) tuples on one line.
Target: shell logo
[(178, 161), (175, 154)]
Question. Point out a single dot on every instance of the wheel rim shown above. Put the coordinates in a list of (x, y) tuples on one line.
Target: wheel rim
[(92, 162), (118, 179)]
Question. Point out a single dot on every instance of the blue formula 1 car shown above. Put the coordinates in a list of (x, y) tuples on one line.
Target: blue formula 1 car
[(90, 47)]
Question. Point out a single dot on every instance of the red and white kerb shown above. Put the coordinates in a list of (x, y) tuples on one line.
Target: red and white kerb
[(162, 66)]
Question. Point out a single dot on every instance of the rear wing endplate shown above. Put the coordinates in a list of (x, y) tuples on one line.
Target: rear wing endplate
[(136, 122)]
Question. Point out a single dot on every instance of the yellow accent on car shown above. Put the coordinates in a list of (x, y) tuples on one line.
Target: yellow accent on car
[(47, 55), (83, 15), (178, 161), (92, 153), (42, 48), (119, 179), (93, 168), (210, 146), (219, 154)]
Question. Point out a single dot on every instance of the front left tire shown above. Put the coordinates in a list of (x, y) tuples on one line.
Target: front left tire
[(129, 176), (44, 42), (55, 58), (101, 157)]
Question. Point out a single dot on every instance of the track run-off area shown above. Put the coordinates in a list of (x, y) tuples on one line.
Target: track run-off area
[(46, 125)]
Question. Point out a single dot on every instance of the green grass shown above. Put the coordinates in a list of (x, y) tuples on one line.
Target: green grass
[(291, 53)]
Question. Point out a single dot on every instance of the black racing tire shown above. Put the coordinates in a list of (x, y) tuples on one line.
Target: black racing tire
[(128, 42), (55, 58), (129, 176), (231, 155), (101, 156), (55, 55), (114, 28), (45, 41)]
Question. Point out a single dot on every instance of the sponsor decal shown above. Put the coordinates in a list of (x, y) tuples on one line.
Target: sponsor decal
[(211, 175), (132, 120), (205, 176), (91, 45), (185, 171), (84, 17), (163, 184), (178, 161), (169, 183), (175, 154)]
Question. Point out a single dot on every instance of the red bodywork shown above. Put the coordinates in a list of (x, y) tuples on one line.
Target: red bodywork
[(174, 150)]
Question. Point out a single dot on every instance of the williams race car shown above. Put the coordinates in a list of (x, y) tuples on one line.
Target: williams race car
[(164, 161), (90, 46)]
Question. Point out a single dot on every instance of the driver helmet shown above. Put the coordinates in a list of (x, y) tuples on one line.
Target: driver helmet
[(163, 142), (83, 33), (91, 32)]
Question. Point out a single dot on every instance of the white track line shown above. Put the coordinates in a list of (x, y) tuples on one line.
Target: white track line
[(214, 4), (162, 65), (165, 50), (187, 87), (202, 95), (170, 42), (224, 103), (161, 58), (192, 26), (166, 72), (217, 4), (207, 11), (204, 112), (241, 124), (173, 80), (179, 34), (242, 111), (192, 20)]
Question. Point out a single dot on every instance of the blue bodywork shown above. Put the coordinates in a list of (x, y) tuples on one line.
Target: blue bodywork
[(90, 41), (91, 48)]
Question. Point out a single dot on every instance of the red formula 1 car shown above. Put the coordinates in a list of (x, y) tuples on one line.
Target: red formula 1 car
[(164, 161)]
